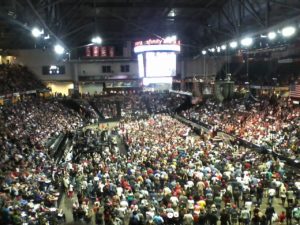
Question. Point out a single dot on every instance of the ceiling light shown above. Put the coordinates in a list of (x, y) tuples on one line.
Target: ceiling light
[(59, 49), (36, 32), (223, 47), (218, 49), (233, 44), (172, 13), (288, 31), (247, 41), (213, 50), (272, 35), (203, 52), (97, 40)]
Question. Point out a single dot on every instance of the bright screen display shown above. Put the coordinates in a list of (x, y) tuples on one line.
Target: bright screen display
[(53, 70), (151, 80), (160, 64), (141, 65)]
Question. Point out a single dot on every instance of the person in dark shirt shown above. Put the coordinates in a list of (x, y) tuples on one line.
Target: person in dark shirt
[(236, 195), (269, 213), (234, 214), (259, 194), (289, 215), (263, 220), (224, 218), (255, 220), (202, 217), (212, 217)]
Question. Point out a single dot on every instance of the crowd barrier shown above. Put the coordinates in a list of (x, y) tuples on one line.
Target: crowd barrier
[(54, 143)]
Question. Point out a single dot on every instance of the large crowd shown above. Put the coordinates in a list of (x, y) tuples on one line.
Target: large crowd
[(171, 176), (168, 174), (17, 78), (273, 123), (106, 107), (29, 189)]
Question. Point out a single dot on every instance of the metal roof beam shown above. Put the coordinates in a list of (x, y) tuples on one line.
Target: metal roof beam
[(139, 4), (287, 5)]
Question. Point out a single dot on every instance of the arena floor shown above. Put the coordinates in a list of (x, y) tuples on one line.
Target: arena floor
[(66, 206), (66, 202)]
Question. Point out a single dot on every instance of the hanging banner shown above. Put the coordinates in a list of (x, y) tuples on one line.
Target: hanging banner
[(99, 51), (96, 51), (111, 51), (88, 51), (103, 51)]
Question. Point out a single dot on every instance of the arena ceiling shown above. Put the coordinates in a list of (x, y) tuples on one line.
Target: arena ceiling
[(197, 23)]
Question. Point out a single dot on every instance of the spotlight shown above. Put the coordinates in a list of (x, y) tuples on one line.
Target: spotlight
[(203, 52), (288, 31), (247, 41), (97, 40), (213, 50), (233, 44), (223, 47), (272, 35), (59, 49), (36, 32), (218, 49)]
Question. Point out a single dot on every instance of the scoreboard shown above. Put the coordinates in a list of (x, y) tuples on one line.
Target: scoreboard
[(157, 57)]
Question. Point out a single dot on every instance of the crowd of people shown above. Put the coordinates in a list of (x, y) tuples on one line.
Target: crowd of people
[(17, 78), (168, 175), (107, 107), (273, 123), (171, 176), (29, 186), (136, 104)]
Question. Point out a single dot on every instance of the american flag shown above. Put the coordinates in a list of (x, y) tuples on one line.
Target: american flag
[(295, 91)]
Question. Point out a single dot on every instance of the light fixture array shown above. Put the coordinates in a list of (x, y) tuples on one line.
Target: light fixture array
[(248, 41)]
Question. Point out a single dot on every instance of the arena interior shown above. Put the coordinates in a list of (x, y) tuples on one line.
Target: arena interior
[(141, 112)]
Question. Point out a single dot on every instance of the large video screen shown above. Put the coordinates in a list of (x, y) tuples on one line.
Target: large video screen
[(160, 64), (141, 65)]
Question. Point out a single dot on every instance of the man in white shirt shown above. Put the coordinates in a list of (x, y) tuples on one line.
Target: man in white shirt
[(188, 219), (271, 194), (190, 204), (174, 199), (245, 216)]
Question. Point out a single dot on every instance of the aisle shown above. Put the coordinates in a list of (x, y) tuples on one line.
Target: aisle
[(121, 145)]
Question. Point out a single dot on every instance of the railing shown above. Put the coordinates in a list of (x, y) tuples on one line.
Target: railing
[(54, 144)]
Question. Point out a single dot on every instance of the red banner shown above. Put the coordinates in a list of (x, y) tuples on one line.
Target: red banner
[(103, 51), (99, 51), (96, 51), (88, 52), (111, 52)]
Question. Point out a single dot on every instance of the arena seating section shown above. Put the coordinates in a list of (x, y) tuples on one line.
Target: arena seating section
[(162, 171), (17, 78)]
